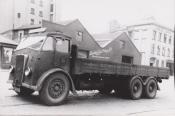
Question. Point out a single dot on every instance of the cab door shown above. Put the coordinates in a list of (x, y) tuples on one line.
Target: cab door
[(62, 53)]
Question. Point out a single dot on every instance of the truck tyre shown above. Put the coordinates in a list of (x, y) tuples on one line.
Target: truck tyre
[(55, 89), (135, 88), (24, 91), (150, 89), (105, 91)]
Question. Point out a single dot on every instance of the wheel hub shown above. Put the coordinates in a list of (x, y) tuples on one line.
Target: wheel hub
[(135, 88), (56, 88), (151, 87)]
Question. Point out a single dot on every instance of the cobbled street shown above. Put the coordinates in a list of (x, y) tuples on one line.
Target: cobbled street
[(88, 103)]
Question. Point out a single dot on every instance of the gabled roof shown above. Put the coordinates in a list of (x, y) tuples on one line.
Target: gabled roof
[(66, 22), (7, 41), (105, 38)]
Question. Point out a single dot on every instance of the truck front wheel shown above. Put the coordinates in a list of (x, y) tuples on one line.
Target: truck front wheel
[(55, 89), (151, 89)]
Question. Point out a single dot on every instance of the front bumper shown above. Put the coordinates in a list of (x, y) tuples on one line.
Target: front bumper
[(35, 88)]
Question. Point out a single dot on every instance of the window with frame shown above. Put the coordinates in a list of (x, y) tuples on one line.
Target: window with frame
[(79, 36), (157, 63), (127, 59), (7, 54), (158, 50), (152, 48), (83, 54), (20, 35), (163, 51), (62, 45), (51, 7), (41, 3), (32, 11), (19, 15), (48, 44), (168, 52), (165, 38), (32, 21), (41, 13), (154, 35), (170, 40), (160, 36), (122, 44)]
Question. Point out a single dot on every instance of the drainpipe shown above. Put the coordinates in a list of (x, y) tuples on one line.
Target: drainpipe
[(174, 55)]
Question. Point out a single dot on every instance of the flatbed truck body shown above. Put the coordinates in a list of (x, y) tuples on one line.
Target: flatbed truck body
[(50, 65)]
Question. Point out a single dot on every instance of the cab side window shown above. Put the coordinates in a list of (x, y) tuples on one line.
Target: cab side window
[(62, 45), (48, 45)]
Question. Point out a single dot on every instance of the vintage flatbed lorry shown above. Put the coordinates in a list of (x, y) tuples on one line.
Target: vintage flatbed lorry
[(48, 63)]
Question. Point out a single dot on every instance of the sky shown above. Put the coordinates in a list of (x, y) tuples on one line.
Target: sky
[(96, 15)]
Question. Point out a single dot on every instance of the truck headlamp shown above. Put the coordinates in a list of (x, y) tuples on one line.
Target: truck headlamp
[(27, 72), (12, 69)]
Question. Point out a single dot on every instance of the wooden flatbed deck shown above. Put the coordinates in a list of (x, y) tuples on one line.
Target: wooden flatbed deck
[(83, 66)]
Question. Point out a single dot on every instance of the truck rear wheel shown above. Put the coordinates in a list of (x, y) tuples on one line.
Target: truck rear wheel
[(135, 88), (55, 89), (150, 90)]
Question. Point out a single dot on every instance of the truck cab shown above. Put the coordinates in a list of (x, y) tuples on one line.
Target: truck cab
[(38, 56)]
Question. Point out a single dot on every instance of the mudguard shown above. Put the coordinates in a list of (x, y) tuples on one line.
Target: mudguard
[(51, 71)]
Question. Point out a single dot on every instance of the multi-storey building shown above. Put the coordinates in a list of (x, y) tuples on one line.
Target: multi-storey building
[(155, 42), (16, 13)]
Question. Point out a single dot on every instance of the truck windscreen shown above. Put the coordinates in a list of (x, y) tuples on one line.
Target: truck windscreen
[(31, 42)]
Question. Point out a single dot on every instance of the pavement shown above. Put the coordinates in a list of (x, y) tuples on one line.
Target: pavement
[(88, 103)]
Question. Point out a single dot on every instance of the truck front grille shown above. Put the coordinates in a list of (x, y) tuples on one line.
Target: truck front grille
[(19, 70)]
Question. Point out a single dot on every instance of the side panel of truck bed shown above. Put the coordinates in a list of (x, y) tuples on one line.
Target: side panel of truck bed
[(83, 66)]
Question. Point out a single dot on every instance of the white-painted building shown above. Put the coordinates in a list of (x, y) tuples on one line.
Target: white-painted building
[(16, 13), (154, 41)]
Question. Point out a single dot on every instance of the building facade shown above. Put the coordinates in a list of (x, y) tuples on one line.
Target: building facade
[(16, 13), (155, 42)]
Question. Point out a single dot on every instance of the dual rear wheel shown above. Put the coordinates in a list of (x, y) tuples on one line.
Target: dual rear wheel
[(134, 88)]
